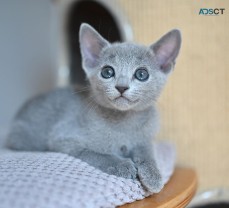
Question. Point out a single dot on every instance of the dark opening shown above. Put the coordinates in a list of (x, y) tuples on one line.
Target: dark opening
[(214, 205), (100, 18)]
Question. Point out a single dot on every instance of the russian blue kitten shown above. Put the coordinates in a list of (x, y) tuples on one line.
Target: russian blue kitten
[(111, 125)]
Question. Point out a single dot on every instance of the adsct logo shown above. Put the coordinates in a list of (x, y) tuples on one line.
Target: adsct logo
[(211, 11)]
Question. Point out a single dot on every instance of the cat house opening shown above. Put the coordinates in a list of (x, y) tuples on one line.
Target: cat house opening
[(105, 17)]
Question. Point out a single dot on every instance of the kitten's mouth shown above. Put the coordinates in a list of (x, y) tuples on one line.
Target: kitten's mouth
[(122, 98), (123, 103)]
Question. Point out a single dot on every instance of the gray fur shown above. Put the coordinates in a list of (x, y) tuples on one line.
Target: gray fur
[(95, 124)]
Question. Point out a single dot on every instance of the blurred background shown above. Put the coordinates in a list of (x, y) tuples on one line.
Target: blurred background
[(39, 51)]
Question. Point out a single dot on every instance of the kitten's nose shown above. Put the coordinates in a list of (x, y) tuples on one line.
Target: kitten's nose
[(121, 89)]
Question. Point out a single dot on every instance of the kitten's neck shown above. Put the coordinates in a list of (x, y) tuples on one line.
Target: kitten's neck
[(145, 122), (117, 115)]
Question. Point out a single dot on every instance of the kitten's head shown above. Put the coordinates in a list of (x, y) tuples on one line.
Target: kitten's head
[(126, 76)]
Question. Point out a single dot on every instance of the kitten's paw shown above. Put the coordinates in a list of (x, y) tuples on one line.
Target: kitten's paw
[(125, 169), (150, 177)]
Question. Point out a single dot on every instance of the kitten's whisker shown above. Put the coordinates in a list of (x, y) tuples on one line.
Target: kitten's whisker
[(90, 102), (145, 99), (81, 90), (91, 105), (143, 90)]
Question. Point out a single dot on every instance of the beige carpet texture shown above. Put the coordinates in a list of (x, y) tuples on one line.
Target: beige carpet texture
[(195, 103)]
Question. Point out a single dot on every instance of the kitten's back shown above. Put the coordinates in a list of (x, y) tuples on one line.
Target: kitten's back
[(33, 122)]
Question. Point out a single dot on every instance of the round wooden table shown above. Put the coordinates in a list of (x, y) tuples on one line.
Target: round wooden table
[(177, 193)]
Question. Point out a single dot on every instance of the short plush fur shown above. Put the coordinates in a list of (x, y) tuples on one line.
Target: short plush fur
[(111, 123)]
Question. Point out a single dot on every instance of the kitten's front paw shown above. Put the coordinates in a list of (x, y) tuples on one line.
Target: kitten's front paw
[(125, 169), (150, 177)]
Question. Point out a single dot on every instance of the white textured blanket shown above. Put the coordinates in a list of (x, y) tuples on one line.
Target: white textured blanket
[(55, 180)]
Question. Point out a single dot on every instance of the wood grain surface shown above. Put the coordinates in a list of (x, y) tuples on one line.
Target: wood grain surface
[(176, 194)]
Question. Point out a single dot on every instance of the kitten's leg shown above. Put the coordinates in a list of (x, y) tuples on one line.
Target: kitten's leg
[(147, 170), (26, 136), (111, 164)]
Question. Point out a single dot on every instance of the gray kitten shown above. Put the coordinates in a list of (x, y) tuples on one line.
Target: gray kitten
[(110, 126)]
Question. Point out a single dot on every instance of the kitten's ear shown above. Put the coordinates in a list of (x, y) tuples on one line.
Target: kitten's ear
[(91, 44), (166, 49)]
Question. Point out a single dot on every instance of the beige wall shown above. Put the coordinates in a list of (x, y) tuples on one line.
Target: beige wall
[(195, 103)]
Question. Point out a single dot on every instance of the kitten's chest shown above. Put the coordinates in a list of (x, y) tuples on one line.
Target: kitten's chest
[(116, 136), (106, 132), (111, 139)]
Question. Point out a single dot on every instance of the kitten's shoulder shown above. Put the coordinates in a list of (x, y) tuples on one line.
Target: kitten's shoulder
[(62, 94), (56, 99)]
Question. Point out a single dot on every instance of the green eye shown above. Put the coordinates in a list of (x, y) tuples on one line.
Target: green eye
[(141, 74), (107, 72)]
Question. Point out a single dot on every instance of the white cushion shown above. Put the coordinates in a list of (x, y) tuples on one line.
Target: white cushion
[(56, 180)]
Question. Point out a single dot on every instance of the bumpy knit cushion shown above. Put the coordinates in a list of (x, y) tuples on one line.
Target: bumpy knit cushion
[(55, 180)]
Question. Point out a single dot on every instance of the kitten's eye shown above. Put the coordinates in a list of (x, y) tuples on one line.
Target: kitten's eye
[(107, 72), (141, 74)]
